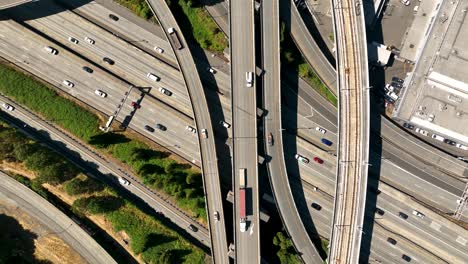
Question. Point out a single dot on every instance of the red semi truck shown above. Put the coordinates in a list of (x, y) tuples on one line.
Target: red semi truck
[(242, 214)]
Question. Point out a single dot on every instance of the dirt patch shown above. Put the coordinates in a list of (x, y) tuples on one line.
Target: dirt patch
[(18, 169)]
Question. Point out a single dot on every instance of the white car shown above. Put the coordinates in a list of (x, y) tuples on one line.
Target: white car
[(68, 83), (321, 130), (301, 159), (124, 181), (8, 107), (418, 214), (437, 137), (204, 133), (216, 216), (153, 77), (421, 131), (73, 40), (89, 40), (460, 146), (158, 49), (51, 50), (191, 129), (213, 71), (225, 124), (406, 2), (165, 91), (100, 93)]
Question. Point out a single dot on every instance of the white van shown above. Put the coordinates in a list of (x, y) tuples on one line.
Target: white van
[(51, 50), (153, 77), (437, 137), (249, 78), (415, 9)]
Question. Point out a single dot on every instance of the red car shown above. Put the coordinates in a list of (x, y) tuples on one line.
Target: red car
[(318, 160), (136, 105)]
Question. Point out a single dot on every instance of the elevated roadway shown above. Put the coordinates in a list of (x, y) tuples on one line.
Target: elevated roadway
[(353, 135), (209, 160), (244, 129), (11, 3), (273, 138), (49, 216)]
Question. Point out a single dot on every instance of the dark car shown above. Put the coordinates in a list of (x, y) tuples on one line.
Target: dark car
[(150, 129), (391, 241), (450, 142), (406, 258), (316, 206), (108, 61), (397, 85), (113, 17), (403, 215), (326, 142), (408, 126), (87, 69), (161, 127), (193, 228), (136, 105), (396, 79), (379, 211)]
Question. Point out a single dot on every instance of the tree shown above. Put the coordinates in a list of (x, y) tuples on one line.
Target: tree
[(6, 149), (23, 151), (39, 159), (167, 257), (53, 174)]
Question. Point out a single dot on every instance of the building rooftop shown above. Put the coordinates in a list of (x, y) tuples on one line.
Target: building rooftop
[(436, 93)]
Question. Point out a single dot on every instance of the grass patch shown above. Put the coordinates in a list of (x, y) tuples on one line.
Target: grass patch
[(139, 7), (291, 56), (157, 170)]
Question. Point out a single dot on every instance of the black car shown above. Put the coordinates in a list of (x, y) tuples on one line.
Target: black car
[(397, 85), (408, 126), (450, 142), (403, 215), (379, 211), (87, 69), (406, 258), (391, 241), (161, 127), (193, 228), (316, 206), (108, 61), (396, 79), (150, 129), (113, 17)]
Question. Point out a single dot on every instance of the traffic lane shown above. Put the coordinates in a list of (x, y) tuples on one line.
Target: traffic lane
[(56, 221)]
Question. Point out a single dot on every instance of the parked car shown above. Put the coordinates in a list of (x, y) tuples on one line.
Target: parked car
[(437, 137), (270, 139), (161, 127), (191, 129), (8, 107), (406, 258), (216, 216), (165, 91), (316, 206), (321, 130), (403, 215), (204, 133), (73, 40), (397, 85), (89, 40), (408, 126), (68, 83), (124, 181), (396, 79), (405, 2), (113, 17), (458, 145), (421, 131), (318, 160), (193, 228), (150, 129), (418, 214), (108, 61), (450, 142), (136, 105), (391, 241), (87, 69), (301, 159), (51, 50), (158, 49), (326, 142), (100, 93)]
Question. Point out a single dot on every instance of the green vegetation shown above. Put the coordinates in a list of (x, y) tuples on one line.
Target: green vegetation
[(291, 56), (139, 7), (148, 236), (286, 252), (201, 27), (156, 168)]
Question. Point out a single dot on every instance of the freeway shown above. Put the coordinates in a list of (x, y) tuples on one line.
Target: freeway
[(353, 136), (57, 222), (273, 138), (11, 3), (206, 141), (244, 130)]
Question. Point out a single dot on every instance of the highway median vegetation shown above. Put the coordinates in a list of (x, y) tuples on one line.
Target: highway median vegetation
[(291, 56), (286, 252), (149, 238), (156, 168)]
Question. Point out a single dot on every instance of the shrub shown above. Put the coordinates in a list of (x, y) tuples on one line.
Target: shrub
[(23, 151), (97, 204), (82, 186)]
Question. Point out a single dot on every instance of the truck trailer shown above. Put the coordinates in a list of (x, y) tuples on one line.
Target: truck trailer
[(242, 213)]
